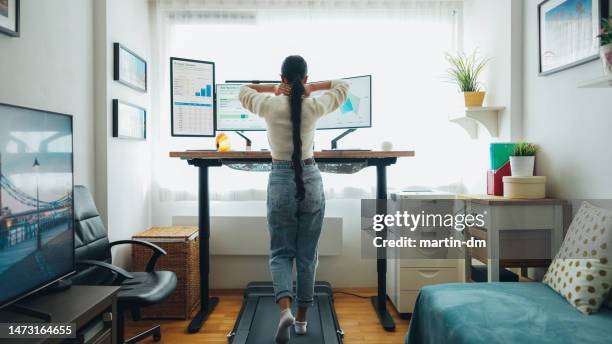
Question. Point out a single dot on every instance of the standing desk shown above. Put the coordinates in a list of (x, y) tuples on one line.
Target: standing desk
[(205, 159)]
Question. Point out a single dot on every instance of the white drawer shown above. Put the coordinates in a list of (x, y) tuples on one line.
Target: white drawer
[(524, 217), (413, 279)]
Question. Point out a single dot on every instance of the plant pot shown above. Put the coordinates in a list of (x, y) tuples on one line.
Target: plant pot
[(606, 57), (522, 166), (474, 99)]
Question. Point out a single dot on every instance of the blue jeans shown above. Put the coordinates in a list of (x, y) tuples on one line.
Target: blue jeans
[(295, 228)]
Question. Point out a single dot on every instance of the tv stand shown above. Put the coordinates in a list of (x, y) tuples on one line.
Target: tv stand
[(93, 310), (30, 312), (334, 143)]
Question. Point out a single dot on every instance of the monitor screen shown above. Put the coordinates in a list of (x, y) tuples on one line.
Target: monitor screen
[(231, 116), (356, 112), (192, 96), (36, 210)]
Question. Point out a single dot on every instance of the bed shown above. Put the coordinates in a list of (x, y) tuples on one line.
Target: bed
[(478, 313)]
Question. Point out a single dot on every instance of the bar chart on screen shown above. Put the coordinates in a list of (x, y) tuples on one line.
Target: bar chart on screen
[(192, 98)]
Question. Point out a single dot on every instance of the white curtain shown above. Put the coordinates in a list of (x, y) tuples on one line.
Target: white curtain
[(401, 43)]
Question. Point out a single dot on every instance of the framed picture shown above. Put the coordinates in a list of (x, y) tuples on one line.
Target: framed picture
[(9, 17), (130, 69), (129, 121), (568, 32)]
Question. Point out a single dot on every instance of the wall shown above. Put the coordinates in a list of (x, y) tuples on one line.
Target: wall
[(63, 62), (50, 67), (571, 125), (494, 28), (125, 174)]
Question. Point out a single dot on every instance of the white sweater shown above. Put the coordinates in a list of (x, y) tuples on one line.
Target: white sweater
[(277, 114)]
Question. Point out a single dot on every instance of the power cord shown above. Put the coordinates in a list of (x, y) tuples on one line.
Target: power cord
[(351, 294)]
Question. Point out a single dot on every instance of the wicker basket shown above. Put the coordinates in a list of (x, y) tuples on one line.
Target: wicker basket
[(181, 244)]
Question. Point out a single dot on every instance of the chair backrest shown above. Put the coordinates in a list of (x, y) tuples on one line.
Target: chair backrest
[(90, 239)]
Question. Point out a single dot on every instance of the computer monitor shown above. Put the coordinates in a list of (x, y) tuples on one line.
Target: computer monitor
[(356, 112), (192, 97), (231, 116), (36, 203)]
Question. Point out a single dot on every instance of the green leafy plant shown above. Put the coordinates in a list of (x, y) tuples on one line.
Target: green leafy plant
[(524, 149), (605, 33), (465, 70)]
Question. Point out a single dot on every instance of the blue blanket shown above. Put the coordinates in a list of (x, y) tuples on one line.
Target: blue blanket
[(502, 313)]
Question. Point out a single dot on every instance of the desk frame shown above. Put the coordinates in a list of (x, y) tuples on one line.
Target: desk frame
[(206, 160)]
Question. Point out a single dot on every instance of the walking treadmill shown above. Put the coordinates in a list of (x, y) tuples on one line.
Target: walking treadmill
[(259, 315)]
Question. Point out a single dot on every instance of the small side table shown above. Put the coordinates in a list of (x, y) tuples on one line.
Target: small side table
[(534, 228)]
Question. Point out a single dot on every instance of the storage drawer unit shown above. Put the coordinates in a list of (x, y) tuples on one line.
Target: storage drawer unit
[(408, 270), (524, 233)]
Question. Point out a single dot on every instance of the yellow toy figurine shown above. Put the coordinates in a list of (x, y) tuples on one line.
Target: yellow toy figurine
[(223, 143)]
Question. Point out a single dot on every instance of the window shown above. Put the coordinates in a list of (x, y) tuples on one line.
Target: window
[(402, 47)]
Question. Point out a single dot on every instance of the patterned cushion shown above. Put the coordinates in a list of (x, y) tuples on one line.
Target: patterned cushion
[(582, 272)]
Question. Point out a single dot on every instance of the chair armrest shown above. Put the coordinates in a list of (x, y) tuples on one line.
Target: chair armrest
[(122, 275), (157, 251)]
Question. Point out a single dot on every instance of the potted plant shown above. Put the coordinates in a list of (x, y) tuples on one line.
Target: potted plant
[(464, 71), (605, 37), (522, 159)]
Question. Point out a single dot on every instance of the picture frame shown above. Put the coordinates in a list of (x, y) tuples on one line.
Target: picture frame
[(567, 33), (129, 68), (10, 11), (129, 121)]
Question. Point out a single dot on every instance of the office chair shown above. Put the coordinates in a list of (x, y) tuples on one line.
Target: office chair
[(94, 267)]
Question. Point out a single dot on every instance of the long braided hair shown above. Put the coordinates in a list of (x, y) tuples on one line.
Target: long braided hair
[(294, 70)]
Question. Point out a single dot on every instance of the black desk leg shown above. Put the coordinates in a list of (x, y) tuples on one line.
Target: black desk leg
[(207, 303), (380, 301)]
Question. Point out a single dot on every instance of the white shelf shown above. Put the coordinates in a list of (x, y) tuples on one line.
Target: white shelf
[(601, 82), (486, 116)]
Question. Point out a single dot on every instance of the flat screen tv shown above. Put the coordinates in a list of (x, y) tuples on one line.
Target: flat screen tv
[(36, 206)]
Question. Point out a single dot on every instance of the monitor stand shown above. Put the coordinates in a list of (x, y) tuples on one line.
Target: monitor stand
[(248, 140), (56, 287), (30, 312), (334, 143)]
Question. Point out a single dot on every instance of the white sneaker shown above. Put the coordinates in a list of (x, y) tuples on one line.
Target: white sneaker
[(300, 327)]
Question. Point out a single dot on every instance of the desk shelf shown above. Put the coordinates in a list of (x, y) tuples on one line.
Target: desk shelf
[(486, 116), (601, 82)]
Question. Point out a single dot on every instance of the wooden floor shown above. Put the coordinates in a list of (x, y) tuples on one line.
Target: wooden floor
[(356, 315)]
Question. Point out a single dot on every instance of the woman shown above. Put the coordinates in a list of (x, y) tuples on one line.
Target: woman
[(296, 203)]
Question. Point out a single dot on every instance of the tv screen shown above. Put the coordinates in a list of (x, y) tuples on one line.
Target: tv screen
[(36, 210)]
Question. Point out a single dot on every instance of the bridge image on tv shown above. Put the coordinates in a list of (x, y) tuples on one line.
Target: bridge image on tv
[(36, 219)]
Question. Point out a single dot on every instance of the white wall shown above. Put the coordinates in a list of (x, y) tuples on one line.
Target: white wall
[(63, 62), (572, 126), (125, 175), (494, 28), (50, 67)]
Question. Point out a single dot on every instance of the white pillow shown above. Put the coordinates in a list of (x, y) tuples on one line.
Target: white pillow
[(582, 272)]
